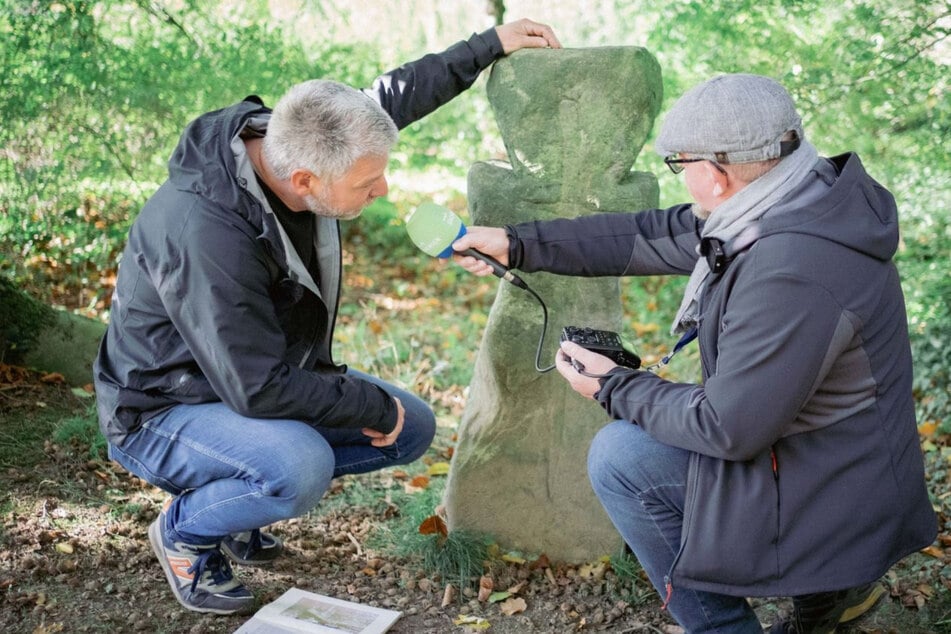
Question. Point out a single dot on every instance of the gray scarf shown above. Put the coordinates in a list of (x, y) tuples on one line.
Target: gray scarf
[(738, 213)]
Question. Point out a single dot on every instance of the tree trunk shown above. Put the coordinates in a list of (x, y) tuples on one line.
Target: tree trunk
[(35, 335)]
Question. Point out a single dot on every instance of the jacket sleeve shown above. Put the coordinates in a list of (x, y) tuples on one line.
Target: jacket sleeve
[(652, 242), (777, 336), (415, 89), (218, 300)]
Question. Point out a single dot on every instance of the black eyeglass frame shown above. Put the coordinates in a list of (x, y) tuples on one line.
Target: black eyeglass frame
[(676, 165)]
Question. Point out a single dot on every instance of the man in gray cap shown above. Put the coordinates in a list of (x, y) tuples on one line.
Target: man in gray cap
[(794, 468)]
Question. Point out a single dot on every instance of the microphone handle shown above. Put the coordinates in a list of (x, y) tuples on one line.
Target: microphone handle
[(497, 269)]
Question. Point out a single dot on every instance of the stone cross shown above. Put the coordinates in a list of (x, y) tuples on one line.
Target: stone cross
[(573, 121)]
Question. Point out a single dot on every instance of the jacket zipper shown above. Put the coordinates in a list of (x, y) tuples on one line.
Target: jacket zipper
[(668, 578), (774, 463)]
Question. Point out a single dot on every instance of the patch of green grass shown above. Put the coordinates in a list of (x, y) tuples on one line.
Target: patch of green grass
[(632, 586), (82, 430), (23, 431), (458, 557)]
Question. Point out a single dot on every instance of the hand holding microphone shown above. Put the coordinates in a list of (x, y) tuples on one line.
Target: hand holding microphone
[(437, 230), (490, 241), (440, 233)]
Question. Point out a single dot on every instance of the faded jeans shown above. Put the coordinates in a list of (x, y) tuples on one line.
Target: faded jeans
[(230, 473), (642, 483)]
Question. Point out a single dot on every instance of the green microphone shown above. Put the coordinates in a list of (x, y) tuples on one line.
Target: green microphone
[(433, 228)]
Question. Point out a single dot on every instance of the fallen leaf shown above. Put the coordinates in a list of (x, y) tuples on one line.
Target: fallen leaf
[(53, 377), (485, 588), (438, 468), (434, 525), (513, 606), (472, 622), (65, 548), (541, 562), (928, 428), (592, 571), (81, 393), (933, 551), (420, 481), (448, 595), (517, 587), (495, 597), (513, 559)]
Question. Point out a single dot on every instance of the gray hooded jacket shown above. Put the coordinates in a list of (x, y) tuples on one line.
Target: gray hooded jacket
[(806, 473), (212, 302)]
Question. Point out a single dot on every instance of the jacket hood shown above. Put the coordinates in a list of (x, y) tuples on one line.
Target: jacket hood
[(843, 204), (203, 161)]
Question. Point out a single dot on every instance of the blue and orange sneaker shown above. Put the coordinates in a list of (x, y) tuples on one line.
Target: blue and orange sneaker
[(200, 575)]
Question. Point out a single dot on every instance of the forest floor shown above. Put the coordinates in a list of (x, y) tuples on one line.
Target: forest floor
[(74, 555)]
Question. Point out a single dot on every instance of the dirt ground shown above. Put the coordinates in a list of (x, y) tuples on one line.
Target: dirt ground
[(74, 557)]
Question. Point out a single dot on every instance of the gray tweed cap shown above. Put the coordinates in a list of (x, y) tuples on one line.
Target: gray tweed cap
[(731, 119)]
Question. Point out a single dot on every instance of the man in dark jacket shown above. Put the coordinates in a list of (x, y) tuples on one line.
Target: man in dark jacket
[(794, 468), (215, 380)]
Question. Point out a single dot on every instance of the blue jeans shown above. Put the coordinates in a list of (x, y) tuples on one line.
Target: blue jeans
[(230, 473), (642, 483)]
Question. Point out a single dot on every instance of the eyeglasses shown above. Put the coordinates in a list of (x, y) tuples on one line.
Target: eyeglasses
[(676, 165)]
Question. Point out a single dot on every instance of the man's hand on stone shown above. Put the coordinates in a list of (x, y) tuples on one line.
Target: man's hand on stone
[(491, 241), (525, 33), (378, 438), (572, 358)]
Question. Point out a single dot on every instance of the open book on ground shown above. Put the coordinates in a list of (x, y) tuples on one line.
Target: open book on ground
[(298, 611)]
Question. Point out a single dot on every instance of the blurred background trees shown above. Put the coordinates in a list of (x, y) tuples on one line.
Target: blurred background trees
[(95, 93)]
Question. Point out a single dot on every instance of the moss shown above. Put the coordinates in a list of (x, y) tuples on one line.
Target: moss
[(22, 319)]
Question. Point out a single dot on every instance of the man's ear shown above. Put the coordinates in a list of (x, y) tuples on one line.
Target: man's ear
[(721, 181), (302, 181)]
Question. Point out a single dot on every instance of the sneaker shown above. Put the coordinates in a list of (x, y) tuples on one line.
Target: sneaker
[(200, 576), (252, 548), (822, 612)]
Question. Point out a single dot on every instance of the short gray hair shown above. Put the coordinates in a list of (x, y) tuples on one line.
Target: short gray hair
[(324, 127)]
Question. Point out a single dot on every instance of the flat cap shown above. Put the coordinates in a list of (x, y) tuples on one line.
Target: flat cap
[(731, 119)]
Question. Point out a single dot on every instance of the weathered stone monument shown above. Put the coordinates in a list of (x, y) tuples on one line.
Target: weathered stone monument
[(573, 122)]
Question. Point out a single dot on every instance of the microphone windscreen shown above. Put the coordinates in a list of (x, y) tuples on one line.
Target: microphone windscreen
[(433, 228)]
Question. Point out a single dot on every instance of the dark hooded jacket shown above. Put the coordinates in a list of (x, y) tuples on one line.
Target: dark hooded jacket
[(212, 303), (806, 472)]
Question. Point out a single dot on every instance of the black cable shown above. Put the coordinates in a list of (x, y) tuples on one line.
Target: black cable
[(577, 365), (541, 339)]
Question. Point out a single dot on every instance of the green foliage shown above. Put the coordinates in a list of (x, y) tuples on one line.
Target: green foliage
[(95, 96), (21, 318)]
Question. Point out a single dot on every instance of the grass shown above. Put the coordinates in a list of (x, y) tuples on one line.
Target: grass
[(82, 430), (22, 436)]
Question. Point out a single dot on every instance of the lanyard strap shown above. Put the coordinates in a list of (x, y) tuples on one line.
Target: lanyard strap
[(686, 338)]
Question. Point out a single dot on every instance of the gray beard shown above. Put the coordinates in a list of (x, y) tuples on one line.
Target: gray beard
[(320, 207)]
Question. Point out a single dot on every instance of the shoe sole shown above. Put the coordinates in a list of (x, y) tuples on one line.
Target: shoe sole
[(853, 612), (155, 539)]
